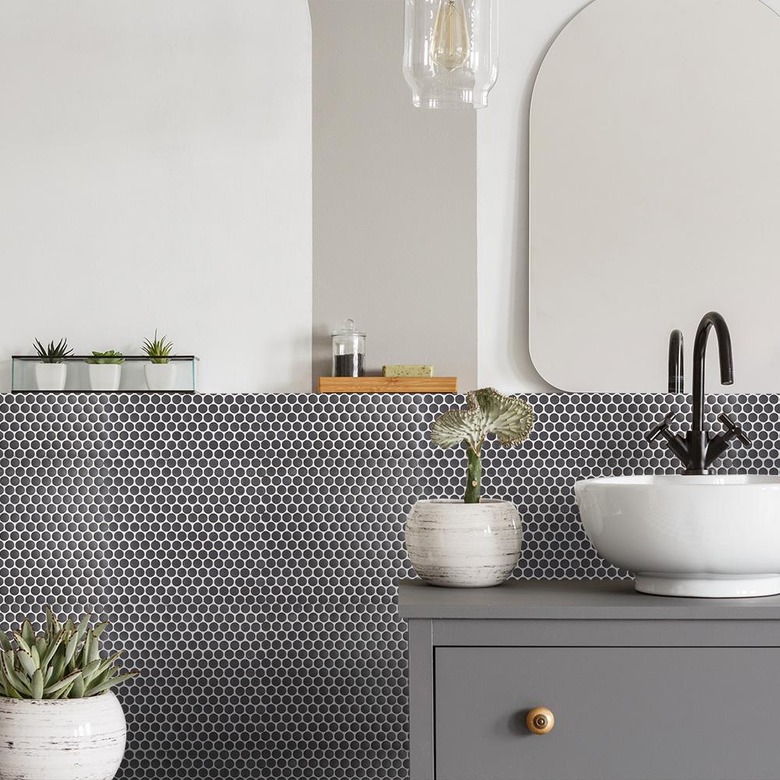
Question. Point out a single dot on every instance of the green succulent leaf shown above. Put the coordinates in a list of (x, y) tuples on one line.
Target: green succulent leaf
[(50, 622), (70, 651), (112, 682), (100, 628), (28, 634), (36, 685), (94, 648), (83, 656), (91, 670), (52, 649), (62, 693), (83, 627), (41, 648), (20, 642), (65, 682), (58, 664), (12, 678), (26, 661), (78, 687), (5, 681)]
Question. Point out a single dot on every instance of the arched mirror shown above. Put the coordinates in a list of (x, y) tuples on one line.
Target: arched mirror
[(655, 191)]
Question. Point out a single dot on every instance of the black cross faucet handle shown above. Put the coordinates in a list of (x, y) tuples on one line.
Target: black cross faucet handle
[(660, 428), (734, 429)]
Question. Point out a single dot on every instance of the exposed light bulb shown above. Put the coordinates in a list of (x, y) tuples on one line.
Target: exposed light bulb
[(450, 43), (450, 51)]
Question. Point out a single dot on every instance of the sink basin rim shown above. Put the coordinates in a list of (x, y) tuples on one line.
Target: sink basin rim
[(686, 480)]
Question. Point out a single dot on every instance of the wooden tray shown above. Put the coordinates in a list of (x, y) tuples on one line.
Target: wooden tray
[(388, 384)]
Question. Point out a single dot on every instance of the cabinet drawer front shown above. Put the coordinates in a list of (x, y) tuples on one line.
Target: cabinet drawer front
[(621, 713)]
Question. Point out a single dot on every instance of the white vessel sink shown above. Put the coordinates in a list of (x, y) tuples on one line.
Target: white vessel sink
[(703, 536)]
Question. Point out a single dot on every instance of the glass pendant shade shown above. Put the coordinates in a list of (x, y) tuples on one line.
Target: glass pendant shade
[(451, 52)]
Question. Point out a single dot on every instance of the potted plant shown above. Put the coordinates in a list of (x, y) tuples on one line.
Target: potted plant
[(159, 371), (474, 542), (105, 370), (52, 372), (59, 720)]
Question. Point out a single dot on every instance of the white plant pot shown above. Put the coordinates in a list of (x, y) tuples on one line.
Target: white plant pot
[(105, 376), (55, 739), (51, 376), (160, 376), (458, 545)]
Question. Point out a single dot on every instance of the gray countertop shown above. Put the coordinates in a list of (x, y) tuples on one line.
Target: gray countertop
[(571, 600)]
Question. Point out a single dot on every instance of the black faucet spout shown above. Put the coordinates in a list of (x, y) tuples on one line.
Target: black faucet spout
[(708, 321)]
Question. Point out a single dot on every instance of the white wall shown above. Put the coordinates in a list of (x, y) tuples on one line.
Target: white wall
[(155, 172)]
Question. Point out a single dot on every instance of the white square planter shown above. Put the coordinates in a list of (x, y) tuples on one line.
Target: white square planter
[(51, 376), (105, 376), (160, 376)]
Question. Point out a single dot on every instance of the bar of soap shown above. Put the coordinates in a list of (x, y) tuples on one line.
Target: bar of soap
[(407, 370)]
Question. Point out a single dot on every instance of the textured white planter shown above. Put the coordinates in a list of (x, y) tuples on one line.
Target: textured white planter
[(459, 545), (105, 376), (51, 376), (160, 376), (74, 739)]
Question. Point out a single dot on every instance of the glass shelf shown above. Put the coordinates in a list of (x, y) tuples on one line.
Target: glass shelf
[(136, 374)]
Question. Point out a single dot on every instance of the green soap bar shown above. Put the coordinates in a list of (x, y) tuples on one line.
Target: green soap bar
[(404, 370)]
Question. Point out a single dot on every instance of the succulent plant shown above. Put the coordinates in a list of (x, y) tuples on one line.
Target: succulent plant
[(157, 349), (488, 412), (52, 353), (63, 661), (109, 357)]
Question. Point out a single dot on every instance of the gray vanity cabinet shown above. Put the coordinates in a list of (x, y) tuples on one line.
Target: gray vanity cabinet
[(640, 687)]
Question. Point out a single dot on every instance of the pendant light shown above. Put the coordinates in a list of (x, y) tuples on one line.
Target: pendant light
[(451, 52)]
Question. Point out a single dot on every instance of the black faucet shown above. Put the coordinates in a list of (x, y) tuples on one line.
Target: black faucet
[(698, 449)]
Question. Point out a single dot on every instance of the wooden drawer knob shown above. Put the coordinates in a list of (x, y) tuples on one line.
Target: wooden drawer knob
[(540, 720)]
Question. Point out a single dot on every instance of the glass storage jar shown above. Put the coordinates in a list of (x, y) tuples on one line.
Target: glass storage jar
[(349, 349)]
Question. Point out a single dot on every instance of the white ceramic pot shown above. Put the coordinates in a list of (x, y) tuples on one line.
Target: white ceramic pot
[(51, 376), (105, 376), (458, 545), (160, 376), (55, 739)]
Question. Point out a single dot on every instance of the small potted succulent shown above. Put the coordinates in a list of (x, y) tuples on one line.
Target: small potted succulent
[(473, 542), (52, 372), (160, 372), (59, 719), (105, 370)]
